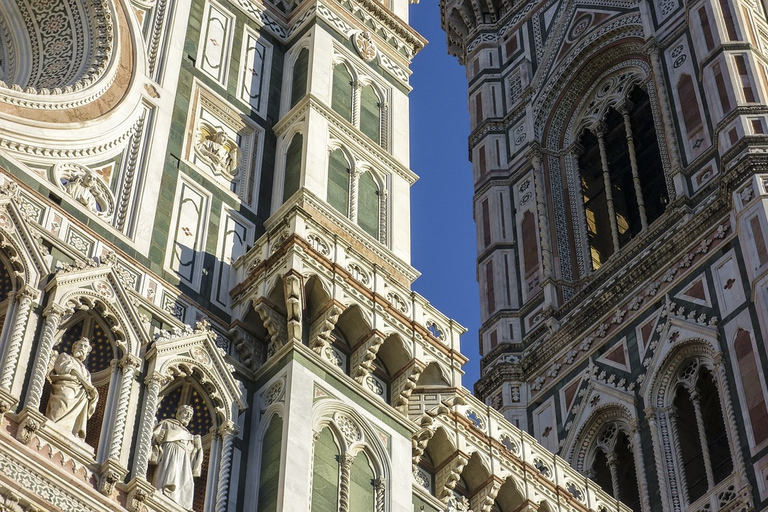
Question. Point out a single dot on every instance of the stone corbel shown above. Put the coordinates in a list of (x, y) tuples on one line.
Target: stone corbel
[(110, 474), (419, 442), (362, 359), (404, 385), (449, 475), (483, 500), (275, 324), (139, 492), (7, 402), (322, 327), (30, 421)]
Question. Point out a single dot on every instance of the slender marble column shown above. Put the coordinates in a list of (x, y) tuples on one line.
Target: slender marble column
[(52, 316), (599, 133), (612, 467), (346, 466), (154, 383), (227, 433), (624, 110), (129, 365), (696, 399), (25, 297)]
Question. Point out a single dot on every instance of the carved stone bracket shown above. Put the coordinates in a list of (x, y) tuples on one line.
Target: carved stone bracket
[(364, 356), (322, 327)]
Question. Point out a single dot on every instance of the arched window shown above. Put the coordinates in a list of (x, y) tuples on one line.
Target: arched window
[(293, 166), (368, 205), (341, 97), (370, 114), (299, 82), (622, 176), (613, 467), (338, 181), (325, 474), (269, 475), (706, 457)]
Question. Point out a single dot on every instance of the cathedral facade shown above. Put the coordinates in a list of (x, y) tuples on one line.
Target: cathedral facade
[(618, 154), (205, 279)]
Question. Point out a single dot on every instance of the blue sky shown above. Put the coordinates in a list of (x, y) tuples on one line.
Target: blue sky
[(443, 232)]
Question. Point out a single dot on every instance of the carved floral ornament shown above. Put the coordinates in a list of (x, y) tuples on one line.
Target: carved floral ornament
[(85, 186)]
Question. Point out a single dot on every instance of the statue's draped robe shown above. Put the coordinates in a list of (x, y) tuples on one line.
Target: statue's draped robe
[(69, 406), (178, 461)]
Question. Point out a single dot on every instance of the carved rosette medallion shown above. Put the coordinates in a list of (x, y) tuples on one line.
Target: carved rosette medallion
[(273, 394), (364, 45), (348, 428), (201, 355)]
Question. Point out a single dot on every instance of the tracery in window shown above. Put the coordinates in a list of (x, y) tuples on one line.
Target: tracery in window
[(622, 175), (613, 467), (701, 434), (360, 101)]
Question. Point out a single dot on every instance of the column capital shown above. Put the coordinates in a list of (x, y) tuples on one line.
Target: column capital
[(227, 428), (56, 310), (155, 378), (131, 361), (26, 292)]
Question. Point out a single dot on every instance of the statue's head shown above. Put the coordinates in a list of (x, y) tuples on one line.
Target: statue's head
[(184, 414), (81, 348)]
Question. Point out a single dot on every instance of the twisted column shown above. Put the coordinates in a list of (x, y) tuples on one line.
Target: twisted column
[(660, 452), (346, 465), (356, 88), (637, 450), (696, 399), (25, 297), (612, 467), (383, 216), (379, 486), (384, 131), (129, 364), (354, 174), (679, 487), (227, 433), (154, 382), (52, 316)]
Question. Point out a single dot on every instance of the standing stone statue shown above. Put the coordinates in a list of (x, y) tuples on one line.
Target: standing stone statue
[(179, 457), (73, 398)]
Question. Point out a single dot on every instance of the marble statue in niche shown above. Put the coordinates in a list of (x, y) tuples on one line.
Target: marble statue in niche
[(178, 456), (73, 398)]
